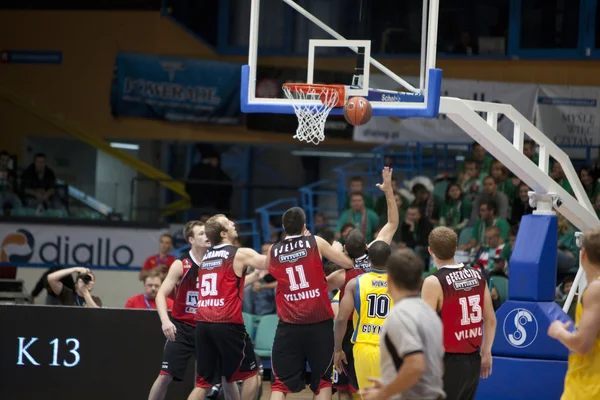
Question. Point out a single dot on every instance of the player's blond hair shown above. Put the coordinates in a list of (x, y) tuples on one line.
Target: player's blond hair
[(443, 242), (591, 244)]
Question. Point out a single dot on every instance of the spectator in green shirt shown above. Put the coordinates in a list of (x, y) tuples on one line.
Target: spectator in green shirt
[(496, 250), (356, 186), (503, 181), (568, 252), (456, 210), (360, 216), (480, 156), (589, 183), (471, 182), (558, 174), (487, 217)]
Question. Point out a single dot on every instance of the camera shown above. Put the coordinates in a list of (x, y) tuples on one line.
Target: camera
[(86, 278)]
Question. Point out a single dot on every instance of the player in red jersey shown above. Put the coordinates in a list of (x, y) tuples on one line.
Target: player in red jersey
[(223, 347), (357, 249), (461, 296), (305, 330), (179, 328)]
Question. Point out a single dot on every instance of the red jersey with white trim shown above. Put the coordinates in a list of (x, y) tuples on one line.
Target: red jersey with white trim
[(302, 296), (462, 309), (361, 265), (221, 290), (186, 292)]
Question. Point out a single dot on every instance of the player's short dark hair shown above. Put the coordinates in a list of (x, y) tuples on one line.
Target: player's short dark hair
[(188, 229), (405, 269), (492, 205), (213, 229), (293, 221), (379, 252), (356, 245), (330, 267), (591, 244), (443, 242)]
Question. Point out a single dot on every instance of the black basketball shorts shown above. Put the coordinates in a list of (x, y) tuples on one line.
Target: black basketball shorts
[(223, 349), (293, 347), (177, 354), (461, 375), (345, 381)]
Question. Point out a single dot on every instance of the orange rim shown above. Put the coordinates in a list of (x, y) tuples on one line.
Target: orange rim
[(305, 87)]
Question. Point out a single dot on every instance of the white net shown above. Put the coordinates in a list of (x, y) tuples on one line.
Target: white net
[(311, 116)]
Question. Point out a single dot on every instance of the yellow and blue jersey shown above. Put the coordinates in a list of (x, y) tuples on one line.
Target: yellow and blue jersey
[(372, 304), (583, 376)]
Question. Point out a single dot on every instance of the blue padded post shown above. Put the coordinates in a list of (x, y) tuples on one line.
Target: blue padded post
[(528, 364), (523, 379), (533, 261)]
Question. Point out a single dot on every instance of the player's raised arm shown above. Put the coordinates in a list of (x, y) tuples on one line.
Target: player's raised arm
[(332, 255), (432, 293), (389, 229), (341, 322), (582, 340), (489, 332), (336, 279), (174, 275), (249, 257)]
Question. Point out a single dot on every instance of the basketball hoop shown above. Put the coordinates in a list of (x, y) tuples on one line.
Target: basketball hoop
[(312, 106)]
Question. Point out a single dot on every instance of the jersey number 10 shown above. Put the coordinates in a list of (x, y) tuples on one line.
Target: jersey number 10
[(471, 309), (378, 305)]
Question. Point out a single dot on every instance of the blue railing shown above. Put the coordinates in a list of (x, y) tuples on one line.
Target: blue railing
[(310, 201), (277, 208)]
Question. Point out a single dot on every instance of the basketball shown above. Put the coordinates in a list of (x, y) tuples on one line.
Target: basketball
[(358, 111)]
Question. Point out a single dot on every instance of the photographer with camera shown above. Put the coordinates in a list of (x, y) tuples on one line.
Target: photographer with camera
[(84, 283)]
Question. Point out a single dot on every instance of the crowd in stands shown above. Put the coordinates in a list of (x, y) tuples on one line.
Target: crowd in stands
[(483, 202), (33, 192)]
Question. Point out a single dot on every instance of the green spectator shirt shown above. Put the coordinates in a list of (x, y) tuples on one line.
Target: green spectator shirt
[(480, 226), (372, 221)]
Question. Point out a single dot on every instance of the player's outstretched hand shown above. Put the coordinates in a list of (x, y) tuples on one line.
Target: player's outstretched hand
[(337, 246), (374, 392), (338, 358), (557, 327), (486, 365), (169, 330), (386, 174)]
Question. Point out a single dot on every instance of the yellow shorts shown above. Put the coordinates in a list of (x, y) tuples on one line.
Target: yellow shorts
[(366, 363)]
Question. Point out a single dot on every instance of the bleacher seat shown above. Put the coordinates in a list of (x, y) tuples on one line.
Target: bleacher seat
[(501, 285), (465, 235), (265, 334), (249, 322)]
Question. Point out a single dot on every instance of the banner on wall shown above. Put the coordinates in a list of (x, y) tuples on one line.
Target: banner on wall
[(24, 243), (569, 115), (442, 129), (269, 82), (176, 89)]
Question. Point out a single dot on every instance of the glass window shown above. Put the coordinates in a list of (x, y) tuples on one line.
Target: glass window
[(270, 28), (597, 27), (470, 27), (549, 24)]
